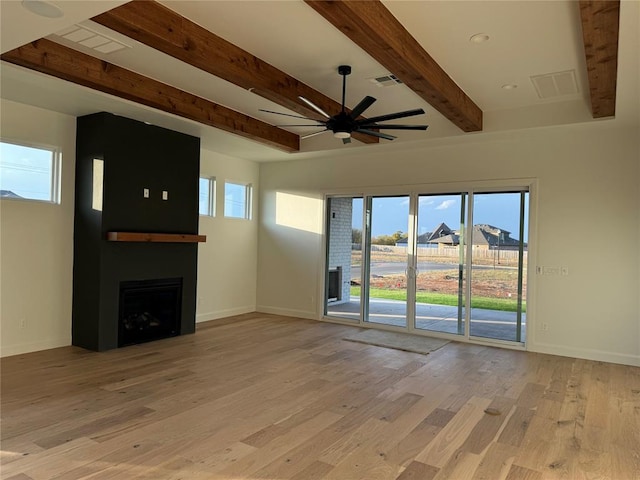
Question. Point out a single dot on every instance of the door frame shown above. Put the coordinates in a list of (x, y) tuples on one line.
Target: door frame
[(483, 186)]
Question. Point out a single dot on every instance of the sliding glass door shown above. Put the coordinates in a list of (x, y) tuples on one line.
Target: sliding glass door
[(498, 266), (387, 256), (447, 264), (343, 275), (440, 305)]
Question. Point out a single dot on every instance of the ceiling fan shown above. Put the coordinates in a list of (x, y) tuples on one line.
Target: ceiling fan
[(344, 123)]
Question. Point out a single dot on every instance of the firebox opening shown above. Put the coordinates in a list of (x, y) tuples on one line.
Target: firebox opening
[(149, 310), (335, 284)]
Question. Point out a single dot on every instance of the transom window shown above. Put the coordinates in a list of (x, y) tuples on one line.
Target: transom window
[(207, 200), (237, 200), (28, 172)]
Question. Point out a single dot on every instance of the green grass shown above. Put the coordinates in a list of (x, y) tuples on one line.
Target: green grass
[(503, 304)]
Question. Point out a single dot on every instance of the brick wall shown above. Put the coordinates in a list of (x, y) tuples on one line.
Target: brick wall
[(340, 242)]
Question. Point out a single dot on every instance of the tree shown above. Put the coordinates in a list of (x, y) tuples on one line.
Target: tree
[(397, 236), (356, 235), (388, 239)]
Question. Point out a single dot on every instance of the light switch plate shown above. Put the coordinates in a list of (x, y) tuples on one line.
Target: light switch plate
[(165, 195), (145, 193)]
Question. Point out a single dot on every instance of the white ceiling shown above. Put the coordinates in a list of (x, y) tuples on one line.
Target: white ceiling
[(527, 38)]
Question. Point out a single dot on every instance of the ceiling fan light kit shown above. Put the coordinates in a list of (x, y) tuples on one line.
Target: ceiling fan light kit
[(344, 123)]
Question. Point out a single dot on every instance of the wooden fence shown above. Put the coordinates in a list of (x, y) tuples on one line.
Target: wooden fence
[(451, 252)]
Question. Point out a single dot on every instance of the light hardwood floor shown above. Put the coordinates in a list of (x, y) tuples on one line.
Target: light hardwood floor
[(267, 397)]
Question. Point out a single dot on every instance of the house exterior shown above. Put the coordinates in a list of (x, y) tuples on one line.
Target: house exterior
[(484, 236), (488, 237), (431, 239)]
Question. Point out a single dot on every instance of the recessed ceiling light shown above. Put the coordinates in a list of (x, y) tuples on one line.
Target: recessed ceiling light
[(479, 38), (509, 86), (42, 8)]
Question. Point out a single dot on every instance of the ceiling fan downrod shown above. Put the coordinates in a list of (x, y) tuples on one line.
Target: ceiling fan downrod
[(341, 128), (344, 70)]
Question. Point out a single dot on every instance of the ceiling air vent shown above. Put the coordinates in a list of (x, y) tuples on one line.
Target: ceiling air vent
[(90, 39), (387, 80), (556, 84)]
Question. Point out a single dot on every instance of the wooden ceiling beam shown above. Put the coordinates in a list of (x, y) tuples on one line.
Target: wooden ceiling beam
[(62, 62), (163, 29), (600, 25), (372, 27)]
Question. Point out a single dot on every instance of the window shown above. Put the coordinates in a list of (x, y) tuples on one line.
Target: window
[(29, 172), (237, 200), (207, 200), (98, 184)]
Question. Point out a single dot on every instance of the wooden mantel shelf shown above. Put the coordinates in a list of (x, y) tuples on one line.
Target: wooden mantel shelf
[(155, 237)]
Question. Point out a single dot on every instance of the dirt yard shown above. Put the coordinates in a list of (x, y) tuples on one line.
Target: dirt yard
[(486, 283), (498, 283)]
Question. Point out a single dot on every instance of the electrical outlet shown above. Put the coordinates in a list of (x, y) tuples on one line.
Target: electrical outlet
[(145, 192), (545, 327), (165, 195), (23, 323), (564, 270)]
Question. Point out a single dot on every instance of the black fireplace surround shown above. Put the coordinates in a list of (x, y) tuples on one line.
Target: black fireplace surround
[(136, 156)]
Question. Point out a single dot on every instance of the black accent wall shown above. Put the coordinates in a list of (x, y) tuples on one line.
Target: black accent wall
[(136, 156)]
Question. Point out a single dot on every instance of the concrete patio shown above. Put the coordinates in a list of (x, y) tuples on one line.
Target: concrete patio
[(493, 324)]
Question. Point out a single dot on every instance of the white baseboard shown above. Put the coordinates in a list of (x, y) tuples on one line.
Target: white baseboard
[(228, 312), (287, 312), (586, 354), (9, 350)]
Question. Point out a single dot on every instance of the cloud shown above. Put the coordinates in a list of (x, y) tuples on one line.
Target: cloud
[(426, 201), (446, 204)]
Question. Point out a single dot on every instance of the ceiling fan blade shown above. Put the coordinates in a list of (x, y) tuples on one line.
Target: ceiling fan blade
[(315, 107), (392, 116), (287, 114), (376, 134), (365, 103), (397, 127), (314, 134)]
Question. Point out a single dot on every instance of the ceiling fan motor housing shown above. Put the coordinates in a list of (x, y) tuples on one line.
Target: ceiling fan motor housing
[(344, 70), (342, 125)]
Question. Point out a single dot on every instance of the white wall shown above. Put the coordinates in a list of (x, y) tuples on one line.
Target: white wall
[(227, 262), (588, 183), (588, 194), (36, 241)]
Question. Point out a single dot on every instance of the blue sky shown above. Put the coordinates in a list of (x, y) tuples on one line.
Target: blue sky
[(390, 214), (26, 171)]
